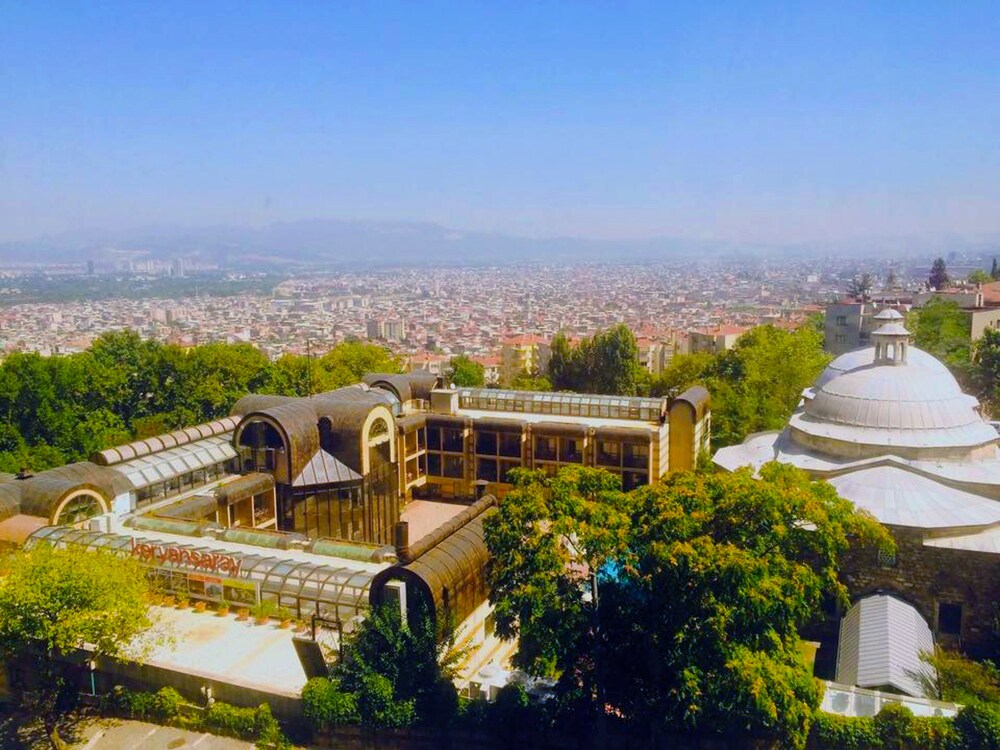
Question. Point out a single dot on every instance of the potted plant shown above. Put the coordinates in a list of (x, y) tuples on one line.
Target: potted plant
[(242, 614), (199, 606), (263, 611), (301, 626), (169, 600), (183, 602), (222, 609), (284, 616)]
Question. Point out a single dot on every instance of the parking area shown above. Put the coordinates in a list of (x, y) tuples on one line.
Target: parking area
[(137, 735)]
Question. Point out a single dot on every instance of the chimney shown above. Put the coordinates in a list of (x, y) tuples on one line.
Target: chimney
[(401, 538)]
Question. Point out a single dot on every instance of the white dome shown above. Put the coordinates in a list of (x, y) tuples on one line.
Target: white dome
[(917, 404), (856, 358)]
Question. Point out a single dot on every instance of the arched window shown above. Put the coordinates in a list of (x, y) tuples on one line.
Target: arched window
[(78, 509), (379, 427)]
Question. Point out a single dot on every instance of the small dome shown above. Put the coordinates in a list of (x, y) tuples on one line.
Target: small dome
[(889, 314)]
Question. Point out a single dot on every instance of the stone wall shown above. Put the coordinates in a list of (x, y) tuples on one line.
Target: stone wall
[(927, 576)]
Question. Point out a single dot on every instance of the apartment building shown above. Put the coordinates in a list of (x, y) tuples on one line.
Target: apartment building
[(524, 353)]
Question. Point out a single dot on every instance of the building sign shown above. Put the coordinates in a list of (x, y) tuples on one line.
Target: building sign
[(208, 561)]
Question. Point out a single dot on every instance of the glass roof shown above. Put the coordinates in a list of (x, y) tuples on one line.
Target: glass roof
[(320, 588), (173, 462), (574, 404)]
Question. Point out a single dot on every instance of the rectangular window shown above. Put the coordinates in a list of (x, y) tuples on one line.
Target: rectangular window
[(434, 464), (434, 438), (486, 469), (841, 320), (545, 448), (454, 467), (486, 443), (949, 618), (636, 456), (570, 450), (609, 453), (452, 441), (510, 444)]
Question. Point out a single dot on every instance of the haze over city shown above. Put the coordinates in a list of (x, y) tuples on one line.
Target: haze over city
[(743, 122)]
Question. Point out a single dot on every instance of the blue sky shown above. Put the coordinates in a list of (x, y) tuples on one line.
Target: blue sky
[(748, 121)]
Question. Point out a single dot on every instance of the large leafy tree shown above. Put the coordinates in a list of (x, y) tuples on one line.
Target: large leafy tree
[(705, 581), (755, 385), (52, 602), (399, 671), (986, 370), (606, 363), (941, 328), (466, 373)]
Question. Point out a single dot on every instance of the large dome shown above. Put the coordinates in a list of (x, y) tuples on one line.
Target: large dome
[(862, 406)]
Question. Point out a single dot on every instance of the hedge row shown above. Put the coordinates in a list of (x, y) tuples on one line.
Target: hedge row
[(977, 727), (165, 706)]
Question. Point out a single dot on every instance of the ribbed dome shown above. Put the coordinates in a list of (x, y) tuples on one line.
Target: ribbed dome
[(916, 404), (852, 360), (905, 397)]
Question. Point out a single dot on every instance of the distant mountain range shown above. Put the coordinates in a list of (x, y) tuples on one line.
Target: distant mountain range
[(325, 242)]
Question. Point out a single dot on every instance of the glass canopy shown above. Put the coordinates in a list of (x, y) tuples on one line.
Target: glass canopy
[(336, 593)]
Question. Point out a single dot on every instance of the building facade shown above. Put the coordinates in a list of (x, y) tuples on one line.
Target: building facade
[(890, 429)]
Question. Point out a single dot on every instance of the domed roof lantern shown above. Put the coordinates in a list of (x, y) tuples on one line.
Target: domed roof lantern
[(889, 315), (891, 339)]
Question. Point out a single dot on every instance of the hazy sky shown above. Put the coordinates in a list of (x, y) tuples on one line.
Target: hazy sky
[(742, 120)]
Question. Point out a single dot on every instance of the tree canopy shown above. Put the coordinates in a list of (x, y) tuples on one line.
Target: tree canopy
[(938, 277), (52, 602), (756, 385), (59, 409), (467, 374), (704, 582), (606, 363)]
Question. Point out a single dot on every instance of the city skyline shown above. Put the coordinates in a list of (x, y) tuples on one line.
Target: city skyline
[(635, 121)]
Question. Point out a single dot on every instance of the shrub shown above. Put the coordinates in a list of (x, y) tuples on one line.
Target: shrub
[(934, 733), (377, 704), (831, 732), (165, 704), (894, 727), (232, 720), (978, 727), (326, 706)]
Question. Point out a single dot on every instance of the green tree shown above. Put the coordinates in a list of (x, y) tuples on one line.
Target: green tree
[(938, 278), (979, 276), (986, 370), (562, 365), (530, 381), (52, 602), (544, 541), (466, 373), (683, 371), (705, 580), (757, 384), (400, 670), (348, 362), (607, 363), (941, 328)]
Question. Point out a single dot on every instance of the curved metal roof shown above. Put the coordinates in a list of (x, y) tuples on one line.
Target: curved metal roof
[(881, 640), (139, 448), (898, 497)]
